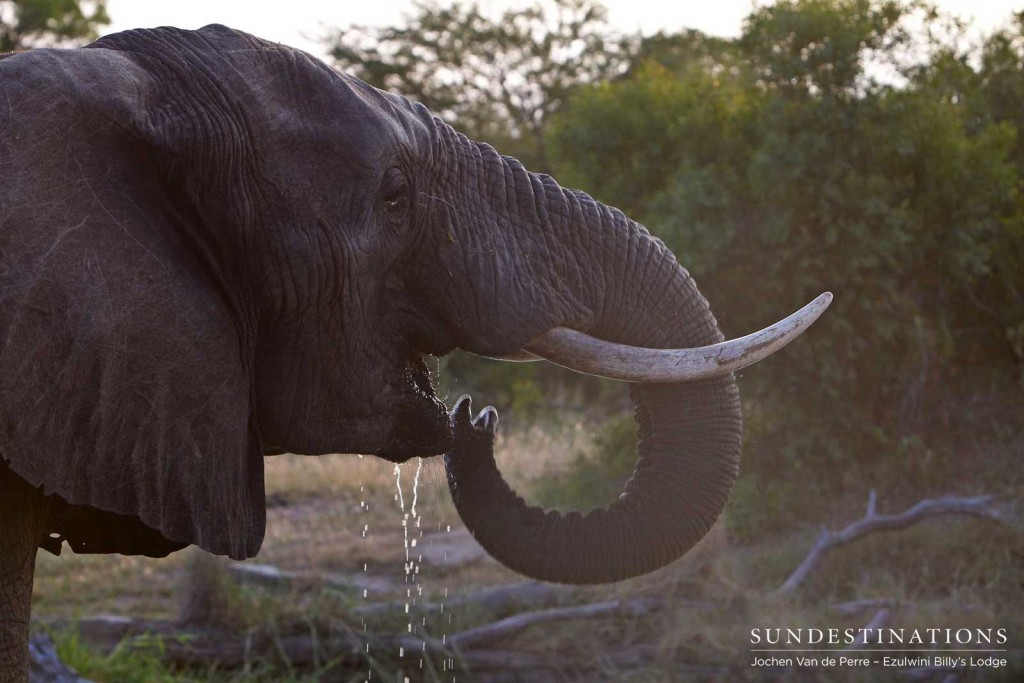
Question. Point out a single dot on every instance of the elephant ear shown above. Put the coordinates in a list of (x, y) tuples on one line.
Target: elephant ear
[(126, 356)]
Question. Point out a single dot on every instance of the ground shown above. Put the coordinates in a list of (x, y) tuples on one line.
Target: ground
[(351, 538)]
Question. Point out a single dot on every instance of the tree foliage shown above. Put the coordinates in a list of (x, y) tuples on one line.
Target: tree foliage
[(862, 146), (42, 23), (782, 165), (497, 78)]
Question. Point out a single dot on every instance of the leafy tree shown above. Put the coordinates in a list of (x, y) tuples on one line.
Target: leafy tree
[(1001, 78), (821, 46), (41, 23), (781, 165), (498, 79), (847, 144), (679, 52)]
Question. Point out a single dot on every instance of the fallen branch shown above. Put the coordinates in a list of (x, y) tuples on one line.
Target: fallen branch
[(978, 506), (205, 647), (45, 666), (498, 601), (270, 576), (506, 627)]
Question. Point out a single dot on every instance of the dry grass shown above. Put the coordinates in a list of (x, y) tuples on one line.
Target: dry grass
[(343, 515)]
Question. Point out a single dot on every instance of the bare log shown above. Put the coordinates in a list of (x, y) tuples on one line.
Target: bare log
[(211, 646), (506, 627), (978, 506), (45, 666), (498, 601), (273, 577)]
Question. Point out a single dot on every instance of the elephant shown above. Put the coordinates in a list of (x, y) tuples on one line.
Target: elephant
[(215, 248)]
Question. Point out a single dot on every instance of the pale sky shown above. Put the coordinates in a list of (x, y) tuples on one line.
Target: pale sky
[(298, 22)]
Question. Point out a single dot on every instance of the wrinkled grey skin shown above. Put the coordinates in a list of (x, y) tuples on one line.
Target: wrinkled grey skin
[(212, 247)]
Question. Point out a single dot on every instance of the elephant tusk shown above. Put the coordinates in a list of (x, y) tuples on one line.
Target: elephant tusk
[(585, 354)]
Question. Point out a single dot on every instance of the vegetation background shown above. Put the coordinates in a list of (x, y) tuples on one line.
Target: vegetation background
[(868, 147)]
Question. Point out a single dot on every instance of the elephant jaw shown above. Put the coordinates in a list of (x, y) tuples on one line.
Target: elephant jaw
[(420, 425), (583, 353)]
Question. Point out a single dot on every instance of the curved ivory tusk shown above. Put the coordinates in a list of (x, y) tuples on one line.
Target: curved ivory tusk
[(582, 353)]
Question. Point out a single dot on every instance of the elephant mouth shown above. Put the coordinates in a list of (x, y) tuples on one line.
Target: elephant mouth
[(420, 427)]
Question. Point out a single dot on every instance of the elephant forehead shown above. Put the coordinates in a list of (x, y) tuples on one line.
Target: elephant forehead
[(319, 111), (389, 118)]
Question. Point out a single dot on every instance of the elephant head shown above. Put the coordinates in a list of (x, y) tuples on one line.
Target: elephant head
[(216, 247)]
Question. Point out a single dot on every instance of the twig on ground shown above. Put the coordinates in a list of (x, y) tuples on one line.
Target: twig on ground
[(506, 627), (45, 665), (274, 577), (978, 506), (500, 600)]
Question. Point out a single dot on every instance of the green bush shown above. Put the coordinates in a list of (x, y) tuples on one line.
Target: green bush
[(124, 665), (776, 167)]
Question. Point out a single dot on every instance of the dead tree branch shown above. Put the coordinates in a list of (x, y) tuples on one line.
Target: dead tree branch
[(499, 601), (502, 629), (978, 506), (45, 665), (273, 577), (206, 647)]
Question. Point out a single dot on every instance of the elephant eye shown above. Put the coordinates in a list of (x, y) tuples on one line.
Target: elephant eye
[(395, 193)]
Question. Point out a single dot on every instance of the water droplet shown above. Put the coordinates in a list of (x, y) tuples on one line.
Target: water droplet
[(416, 484), (398, 484)]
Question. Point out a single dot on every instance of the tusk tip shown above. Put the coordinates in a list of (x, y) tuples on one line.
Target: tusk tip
[(816, 307)]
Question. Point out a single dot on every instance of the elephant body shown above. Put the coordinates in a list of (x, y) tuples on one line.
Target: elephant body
[(124, 388), (214, 247)]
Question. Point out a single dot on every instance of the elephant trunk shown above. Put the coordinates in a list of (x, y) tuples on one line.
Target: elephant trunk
[(689, 433)]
